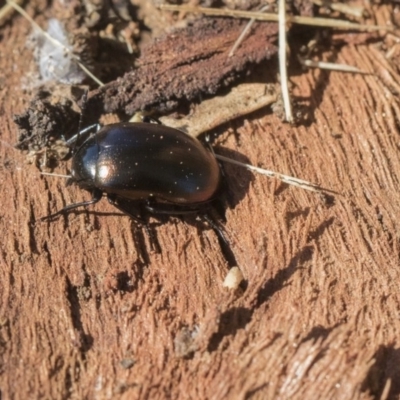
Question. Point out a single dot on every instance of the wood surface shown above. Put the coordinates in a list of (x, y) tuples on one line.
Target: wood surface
[(84, 315)]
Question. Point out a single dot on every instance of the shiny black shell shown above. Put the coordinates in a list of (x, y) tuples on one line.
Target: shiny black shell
[(139, 161)]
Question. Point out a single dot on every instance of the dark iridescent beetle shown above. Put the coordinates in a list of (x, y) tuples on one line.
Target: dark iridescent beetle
[(163, 169), (146, 168)]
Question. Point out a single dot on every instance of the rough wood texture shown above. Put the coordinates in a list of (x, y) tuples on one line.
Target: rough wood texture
[(183, 65), (82, 315)]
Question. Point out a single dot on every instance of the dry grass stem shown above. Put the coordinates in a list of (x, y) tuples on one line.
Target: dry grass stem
[(386, 389), (332, 66), (290, 180), (283, 63), (244, 33), (6, 10), (56, 175), (323, 22)]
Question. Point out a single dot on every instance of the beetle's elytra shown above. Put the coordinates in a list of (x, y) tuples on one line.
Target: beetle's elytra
[(141, 161)]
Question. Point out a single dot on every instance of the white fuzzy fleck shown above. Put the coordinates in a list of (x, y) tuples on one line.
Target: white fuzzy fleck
[(56, 62)]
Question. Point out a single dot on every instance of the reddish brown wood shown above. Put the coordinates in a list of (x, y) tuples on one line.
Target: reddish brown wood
[(81, 316)]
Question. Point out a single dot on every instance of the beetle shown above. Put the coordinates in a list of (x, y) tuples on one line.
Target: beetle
[(146, 168)]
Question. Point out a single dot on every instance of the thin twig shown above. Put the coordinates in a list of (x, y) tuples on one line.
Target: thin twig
[(311, 21), (332, 66), (54, 41), (282, 61), (244, 33), (7, 9), (57, 175), (290, 180), (386, 389)]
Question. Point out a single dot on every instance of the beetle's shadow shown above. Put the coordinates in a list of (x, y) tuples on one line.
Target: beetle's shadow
[(237, 178)]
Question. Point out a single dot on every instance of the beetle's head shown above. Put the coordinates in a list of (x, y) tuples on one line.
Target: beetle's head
[(83, 171)]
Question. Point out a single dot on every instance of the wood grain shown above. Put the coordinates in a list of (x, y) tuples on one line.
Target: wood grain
[(84, 315)]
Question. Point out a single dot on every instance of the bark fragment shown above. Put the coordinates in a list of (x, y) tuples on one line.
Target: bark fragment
[(186, 64), (177, 68)]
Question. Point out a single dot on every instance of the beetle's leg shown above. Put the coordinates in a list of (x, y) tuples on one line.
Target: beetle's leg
[(96, 197), (84, 131), (149, 120), (125, 209), (138, 219), (225, 191), (217, 228), (166, 209), (209, 217), (223, 240)]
